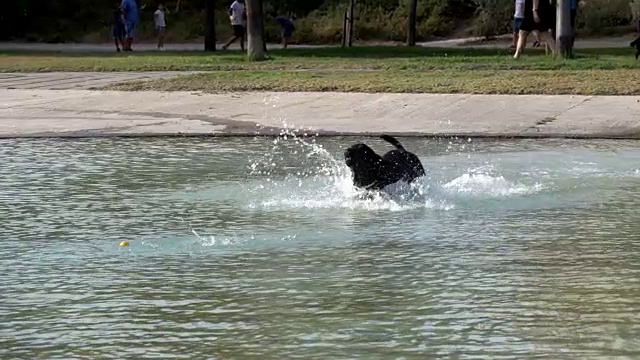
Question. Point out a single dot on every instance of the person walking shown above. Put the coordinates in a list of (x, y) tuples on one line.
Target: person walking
[(160, 22), (573, 13), (518, 16), (118, 28), (538, 15), (287, 25), (238, 17), (131, 19)]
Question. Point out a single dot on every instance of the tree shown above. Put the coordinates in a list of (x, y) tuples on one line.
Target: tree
[(564, 43), (210, 26), (635, 12), (352, 19), (255, 31), (411, 31)]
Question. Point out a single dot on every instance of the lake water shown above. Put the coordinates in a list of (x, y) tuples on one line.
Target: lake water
[(247, 248)]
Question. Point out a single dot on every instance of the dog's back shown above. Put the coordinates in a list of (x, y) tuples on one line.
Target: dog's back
[(404, 164), (407, 162), (373, 172)]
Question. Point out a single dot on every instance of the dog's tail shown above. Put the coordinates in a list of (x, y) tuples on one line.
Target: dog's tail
[(393, 141)]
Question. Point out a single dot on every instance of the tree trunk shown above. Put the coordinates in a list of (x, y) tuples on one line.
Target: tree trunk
[(264, 36), (255, 26), (564, 33), (210, 26), (411, 30), (345, 19), (352, 20)]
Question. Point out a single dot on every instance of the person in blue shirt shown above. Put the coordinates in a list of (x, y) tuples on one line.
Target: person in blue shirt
[(287, 25), (131, 19), (573, 6)]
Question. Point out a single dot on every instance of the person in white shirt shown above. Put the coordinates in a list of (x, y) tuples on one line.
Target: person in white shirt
[(518, 17), (238, 17), (517, 21), (161, 25)]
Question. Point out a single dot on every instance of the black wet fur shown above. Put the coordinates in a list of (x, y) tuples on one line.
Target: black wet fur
[(373, 172)]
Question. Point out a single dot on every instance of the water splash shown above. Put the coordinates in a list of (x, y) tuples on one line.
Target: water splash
[(317, 180), (480, 184)]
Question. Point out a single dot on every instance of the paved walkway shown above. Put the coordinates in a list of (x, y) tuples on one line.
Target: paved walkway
[(78, 80), (501, 42), (504, 41), (110, 113), (109, 47)]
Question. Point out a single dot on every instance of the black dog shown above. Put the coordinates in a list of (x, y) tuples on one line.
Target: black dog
[(636, 43), (373, 172)]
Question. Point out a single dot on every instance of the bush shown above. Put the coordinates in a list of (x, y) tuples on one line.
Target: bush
[(319, 22), (435, 18), (599, 17), (493, 17)]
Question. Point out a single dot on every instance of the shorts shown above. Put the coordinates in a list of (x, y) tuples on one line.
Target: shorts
[(287, 31), (130, 27), (516, 24), (161, 30), (547, 22), (238, 30)]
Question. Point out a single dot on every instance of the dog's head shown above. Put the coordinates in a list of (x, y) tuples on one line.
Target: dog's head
[(364, 163)]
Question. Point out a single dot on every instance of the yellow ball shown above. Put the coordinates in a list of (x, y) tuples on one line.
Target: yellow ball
[(124, 243)]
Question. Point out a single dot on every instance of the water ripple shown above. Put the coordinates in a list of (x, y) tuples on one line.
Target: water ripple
[(508, 250)]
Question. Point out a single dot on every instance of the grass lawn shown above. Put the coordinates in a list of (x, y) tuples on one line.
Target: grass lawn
[(364, 69)]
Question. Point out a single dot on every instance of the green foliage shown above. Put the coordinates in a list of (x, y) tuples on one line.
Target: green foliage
[(603, 16), (317, 21), (493, 17)]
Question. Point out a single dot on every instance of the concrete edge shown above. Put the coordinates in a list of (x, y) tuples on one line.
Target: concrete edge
[(316, 134)]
